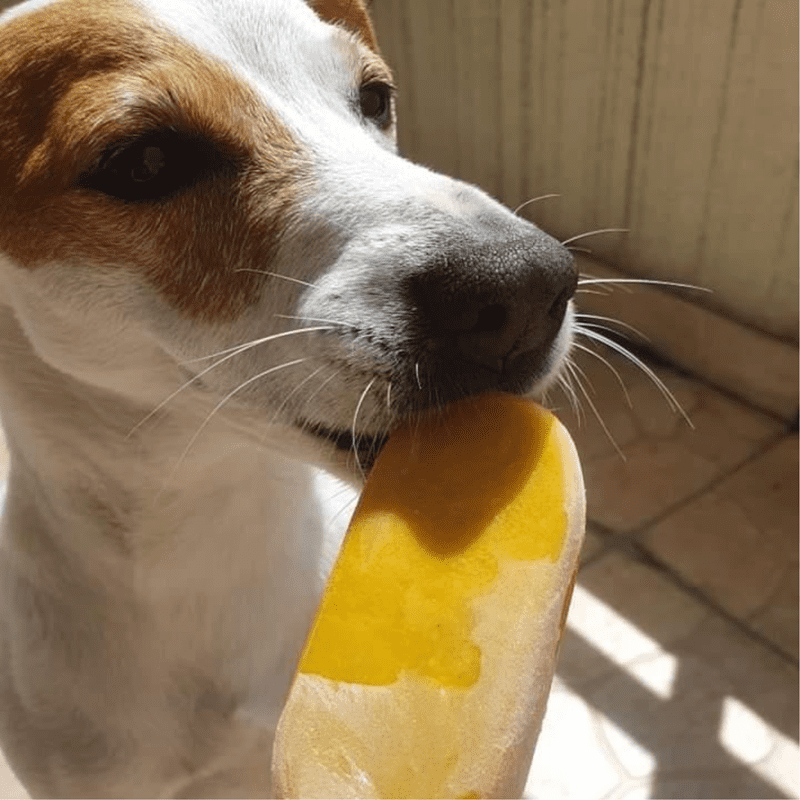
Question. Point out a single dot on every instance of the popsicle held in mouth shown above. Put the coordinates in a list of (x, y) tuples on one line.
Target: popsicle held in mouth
[(427, 670)]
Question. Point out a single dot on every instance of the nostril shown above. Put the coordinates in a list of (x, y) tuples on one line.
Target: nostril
[(559, 305), (491, 319)]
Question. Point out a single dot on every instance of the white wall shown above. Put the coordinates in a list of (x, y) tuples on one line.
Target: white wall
[(675, 118)]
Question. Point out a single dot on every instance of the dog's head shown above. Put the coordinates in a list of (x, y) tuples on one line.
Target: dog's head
[(182, 178)]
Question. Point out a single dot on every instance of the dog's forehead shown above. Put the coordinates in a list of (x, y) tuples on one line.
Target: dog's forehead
[(266, 36), (276, 43), (252, 30)]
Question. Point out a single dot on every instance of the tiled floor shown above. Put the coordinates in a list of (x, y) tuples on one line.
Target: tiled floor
[(678, 675)]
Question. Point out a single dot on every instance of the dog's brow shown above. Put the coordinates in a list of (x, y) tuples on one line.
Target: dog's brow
[(374, 68), (368, 65), (146, 109)]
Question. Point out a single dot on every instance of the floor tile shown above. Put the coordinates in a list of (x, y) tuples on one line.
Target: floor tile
[(3, 456), (621, 612), (710, 784), (553, 774), (643, 459), (778, 619), (661, 691), (10, 787), (593, 544), (739, 543), (756, 677), (781, 767)]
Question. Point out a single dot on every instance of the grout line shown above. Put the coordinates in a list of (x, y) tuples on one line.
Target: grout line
[(765, 446), (601, 550), (621, 543), (593, 559)]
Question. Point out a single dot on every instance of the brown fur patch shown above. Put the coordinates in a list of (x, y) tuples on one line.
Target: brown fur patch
[(350, 13), (78, 76)]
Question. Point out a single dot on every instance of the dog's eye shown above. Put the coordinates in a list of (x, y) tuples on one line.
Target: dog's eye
[(375, 102), (149, 168)]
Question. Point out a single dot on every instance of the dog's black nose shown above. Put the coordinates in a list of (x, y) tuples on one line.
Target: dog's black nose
[(489, 302)]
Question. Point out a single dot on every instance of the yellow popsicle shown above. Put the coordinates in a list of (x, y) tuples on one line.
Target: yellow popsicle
[(428, 667)]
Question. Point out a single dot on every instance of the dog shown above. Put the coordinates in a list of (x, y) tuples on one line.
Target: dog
[(220, 285)]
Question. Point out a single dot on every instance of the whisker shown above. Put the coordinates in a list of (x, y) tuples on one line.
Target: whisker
[(534, 200), (224, 400), (672, 401), (585, 278), (613, 321), (321, 387), (316, 319), (278, 275), (254, 342), (231, 352), (416, 372), (647, 281), (313, 394), (594, 233), (599, 417), (573, 377), (565, 383), (294, 391), (613, 369), (355, 419), (585, 377), (304, 424), (389, 396), (545, 396), (348, 505), (580, 250)]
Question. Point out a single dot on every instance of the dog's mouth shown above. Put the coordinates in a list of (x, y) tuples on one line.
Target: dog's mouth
[(364, 447)]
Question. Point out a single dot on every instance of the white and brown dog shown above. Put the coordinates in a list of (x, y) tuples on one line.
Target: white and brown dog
[(202, 212)]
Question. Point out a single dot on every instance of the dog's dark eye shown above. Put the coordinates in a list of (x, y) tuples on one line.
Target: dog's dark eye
[(151, 167), (375, 102)]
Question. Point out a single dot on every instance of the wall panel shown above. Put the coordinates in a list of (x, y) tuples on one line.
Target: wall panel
[(674, 118)]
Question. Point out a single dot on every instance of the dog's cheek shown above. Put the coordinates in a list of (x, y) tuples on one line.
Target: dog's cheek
[(198, 252), (214, 250)]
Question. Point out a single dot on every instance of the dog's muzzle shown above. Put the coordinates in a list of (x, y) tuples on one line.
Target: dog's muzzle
[(486, 315)]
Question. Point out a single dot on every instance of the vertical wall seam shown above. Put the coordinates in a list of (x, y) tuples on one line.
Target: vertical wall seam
[(721, 118), (525, 97), (410, 79), (499, 172), (635, 114)]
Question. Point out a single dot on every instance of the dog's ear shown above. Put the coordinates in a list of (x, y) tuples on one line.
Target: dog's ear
[(352, 14)]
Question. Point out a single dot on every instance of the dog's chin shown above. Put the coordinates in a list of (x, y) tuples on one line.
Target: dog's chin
[(357, 452)]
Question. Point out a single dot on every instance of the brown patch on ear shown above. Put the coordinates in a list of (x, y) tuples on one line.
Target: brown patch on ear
[(350, 13)]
